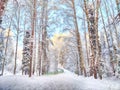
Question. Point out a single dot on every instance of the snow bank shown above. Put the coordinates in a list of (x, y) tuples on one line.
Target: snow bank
[(65, 81), (57, 82)]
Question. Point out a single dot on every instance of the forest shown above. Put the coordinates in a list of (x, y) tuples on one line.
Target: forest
[(59, 45)]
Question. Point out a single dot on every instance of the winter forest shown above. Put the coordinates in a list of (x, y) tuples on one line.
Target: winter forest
[(59, 45)]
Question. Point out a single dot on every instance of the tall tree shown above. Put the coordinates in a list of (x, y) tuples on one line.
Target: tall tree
[(79, 43), (44, 36), (17, 26), (32, 35), (86, 41), (92, 12), (2, 7)]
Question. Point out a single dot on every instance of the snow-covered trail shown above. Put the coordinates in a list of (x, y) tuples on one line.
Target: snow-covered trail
[(65, 81)]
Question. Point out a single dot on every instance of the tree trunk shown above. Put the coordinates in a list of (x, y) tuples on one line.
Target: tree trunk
[(92, 20), (3, 65), (88, 23), (86, 44), (39, 55), (2, 7), (44, 37), (98, 46), (16, 50), (79, 44), (32, 35), (34, 56)]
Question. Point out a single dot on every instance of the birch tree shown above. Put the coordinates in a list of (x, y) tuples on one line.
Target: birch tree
[(44, 36), (17, 27), (92, 12), (2, 7)]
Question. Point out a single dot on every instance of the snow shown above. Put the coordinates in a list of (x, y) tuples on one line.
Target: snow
[(64, 81)]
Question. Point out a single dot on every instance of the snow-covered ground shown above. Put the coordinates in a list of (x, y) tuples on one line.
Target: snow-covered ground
[(64, 81)]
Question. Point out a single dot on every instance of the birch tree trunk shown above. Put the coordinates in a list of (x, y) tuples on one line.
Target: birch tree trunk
[(39, 55), (34, 49), (32, 35), (86, 43), (44, 37), (6, 47), (98, 46), (2, 7), (79, 44), (17, 38), (92, 22)]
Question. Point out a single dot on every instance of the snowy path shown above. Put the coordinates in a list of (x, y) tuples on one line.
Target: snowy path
[(65, 81)]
